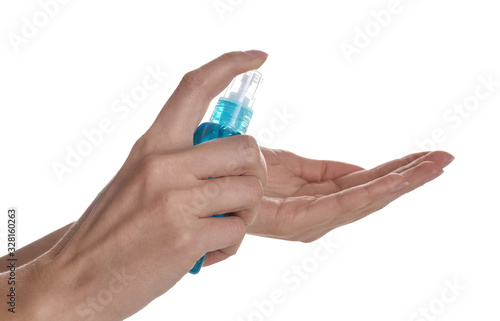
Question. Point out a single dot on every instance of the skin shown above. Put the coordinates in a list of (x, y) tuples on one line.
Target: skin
[(157, 210)]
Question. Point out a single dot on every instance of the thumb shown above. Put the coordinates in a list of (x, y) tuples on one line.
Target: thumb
[(175, 125)]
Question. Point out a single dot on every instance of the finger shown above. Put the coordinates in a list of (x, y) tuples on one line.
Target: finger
[(220, 233), (186, 107), (276, 216), (220, 255), (365, 176), (240, 195), (229, 156), (314, 215), (439, 158), (311, 170), (415, 176), (396, 166), (216, 257), (328, 208), (357, 176)]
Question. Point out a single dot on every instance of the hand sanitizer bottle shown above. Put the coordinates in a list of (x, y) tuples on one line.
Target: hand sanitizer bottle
[(230, 117)]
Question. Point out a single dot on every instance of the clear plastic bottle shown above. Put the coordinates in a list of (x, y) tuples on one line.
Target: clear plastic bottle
[(231, 117)]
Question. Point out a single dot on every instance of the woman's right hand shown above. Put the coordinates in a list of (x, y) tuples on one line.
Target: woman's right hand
[(152, 222)]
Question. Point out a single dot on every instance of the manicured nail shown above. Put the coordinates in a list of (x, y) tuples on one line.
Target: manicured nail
[(437, 174), (449, 161), (255, 53), (400, 186)]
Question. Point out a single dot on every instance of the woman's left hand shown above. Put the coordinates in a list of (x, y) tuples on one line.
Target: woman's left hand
[(304, 198)]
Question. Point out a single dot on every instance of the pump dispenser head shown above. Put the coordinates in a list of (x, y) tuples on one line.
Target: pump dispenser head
[(234, 108), (243, 88)]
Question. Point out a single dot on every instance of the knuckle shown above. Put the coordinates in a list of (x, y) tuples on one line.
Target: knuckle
[(250, 148), (150, 166), (160, 167), (430, 166), (394, 179), (184, 240), (232, 55), (254, 190), (171, 200), (247, 141), (141, 147), (341, 204), (366, 191), (231, 251), (154, 168), (193, 81), (239, 230), (185, 237)]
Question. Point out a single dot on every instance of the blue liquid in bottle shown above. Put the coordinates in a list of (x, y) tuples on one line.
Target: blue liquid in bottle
[(230, 117)]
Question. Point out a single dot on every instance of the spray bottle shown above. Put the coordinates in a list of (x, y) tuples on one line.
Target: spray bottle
[(231, 117)]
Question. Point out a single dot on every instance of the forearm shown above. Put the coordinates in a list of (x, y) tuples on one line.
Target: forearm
[(22, 288), (35, 249), (41, 290)]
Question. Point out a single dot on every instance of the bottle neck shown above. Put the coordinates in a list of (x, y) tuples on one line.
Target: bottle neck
[(232, 115)]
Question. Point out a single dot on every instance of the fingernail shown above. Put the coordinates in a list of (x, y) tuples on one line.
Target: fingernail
[(400, 186), (449, 161), (437, 174), (255, 53)]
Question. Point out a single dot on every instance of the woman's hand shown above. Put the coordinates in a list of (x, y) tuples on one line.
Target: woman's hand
[(152, 222), (304, 199)]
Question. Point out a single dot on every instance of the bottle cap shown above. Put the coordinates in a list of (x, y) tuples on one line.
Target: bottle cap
[(243, 88)]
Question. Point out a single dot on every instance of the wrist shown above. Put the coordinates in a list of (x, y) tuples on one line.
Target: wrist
[(46, 291), (29, 292)]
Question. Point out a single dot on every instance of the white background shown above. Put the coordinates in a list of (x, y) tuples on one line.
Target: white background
[(394, 93)]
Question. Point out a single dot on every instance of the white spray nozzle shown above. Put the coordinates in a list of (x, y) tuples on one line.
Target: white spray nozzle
[(243, 88)]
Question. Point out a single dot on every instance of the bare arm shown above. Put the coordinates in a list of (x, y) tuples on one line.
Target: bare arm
[(36, 248)]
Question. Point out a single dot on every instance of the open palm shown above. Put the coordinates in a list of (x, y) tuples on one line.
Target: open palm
[(305, 198)]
